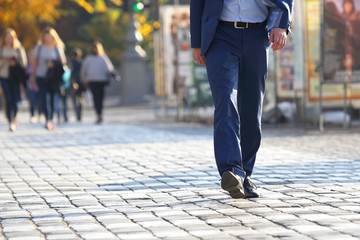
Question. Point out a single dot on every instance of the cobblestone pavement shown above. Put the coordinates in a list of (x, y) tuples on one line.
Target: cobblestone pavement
[(135, 177)]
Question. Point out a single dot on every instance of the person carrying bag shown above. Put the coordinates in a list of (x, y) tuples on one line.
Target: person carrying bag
[(48, 61), (12, 72), (94, 72)]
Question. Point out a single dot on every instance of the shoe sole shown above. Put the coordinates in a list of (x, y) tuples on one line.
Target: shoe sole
[(232, 184)]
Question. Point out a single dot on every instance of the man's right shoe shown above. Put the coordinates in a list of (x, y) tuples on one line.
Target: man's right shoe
[(233, 183), (250, 189)]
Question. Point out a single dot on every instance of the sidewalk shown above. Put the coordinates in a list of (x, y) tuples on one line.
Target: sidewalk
[(138, 177)]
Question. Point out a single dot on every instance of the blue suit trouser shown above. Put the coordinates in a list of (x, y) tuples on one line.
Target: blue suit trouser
[(236, 64)]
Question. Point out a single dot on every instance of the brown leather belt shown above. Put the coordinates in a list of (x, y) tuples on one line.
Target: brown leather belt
[(241, 25)]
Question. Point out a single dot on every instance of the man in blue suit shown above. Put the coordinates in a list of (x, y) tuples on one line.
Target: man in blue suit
[(232, 37)]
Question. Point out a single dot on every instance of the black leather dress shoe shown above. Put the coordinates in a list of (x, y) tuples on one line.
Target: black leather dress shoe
[(250, 189), (232, 183)]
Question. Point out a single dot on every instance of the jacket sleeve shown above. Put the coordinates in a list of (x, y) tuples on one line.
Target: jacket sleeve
[(280, 13), (196, 11)]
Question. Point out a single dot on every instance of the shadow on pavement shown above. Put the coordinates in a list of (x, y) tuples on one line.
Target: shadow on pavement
[(328, 172)]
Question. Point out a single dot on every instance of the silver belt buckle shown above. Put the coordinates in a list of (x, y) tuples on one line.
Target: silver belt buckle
[(246, 26)]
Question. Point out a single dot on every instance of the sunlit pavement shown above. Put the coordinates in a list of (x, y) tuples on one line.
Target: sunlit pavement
[(140, 177)]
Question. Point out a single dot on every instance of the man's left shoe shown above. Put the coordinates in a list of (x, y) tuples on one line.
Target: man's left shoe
[(250, 189)]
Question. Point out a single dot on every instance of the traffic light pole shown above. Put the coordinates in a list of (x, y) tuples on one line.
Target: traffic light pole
[(136, 82)]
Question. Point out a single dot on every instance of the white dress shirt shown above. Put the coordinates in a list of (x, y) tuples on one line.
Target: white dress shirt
[(244, 11), (252, 11)]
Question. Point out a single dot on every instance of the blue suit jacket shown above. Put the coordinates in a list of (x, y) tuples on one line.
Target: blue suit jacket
[(204, 15)]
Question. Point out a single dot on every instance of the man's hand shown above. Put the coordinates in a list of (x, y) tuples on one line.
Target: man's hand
[(277, 38), (197, 56)]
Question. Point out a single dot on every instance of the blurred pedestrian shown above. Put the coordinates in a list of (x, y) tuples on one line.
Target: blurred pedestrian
[(32, 91), (78, 87), (12, 73), (61, 108), (95, 73), (47, 71)]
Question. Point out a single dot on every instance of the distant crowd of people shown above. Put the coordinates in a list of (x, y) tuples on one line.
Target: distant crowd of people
[(48, 78)]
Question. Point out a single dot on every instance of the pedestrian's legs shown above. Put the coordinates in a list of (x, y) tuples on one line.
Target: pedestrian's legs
[(12, 97), (32, 101), (251, 91), (5, 84), (236, 64), (101, 98), (77, 101), (64, 105), (38, 103), (94, 92), (43, 102), (15, 92), (49, 107), (11, 91), (53, 105), (79, 105), (223, 70), (94, 87), (98, 89)]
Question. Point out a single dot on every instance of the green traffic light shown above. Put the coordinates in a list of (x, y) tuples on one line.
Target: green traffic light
[(138, 7)]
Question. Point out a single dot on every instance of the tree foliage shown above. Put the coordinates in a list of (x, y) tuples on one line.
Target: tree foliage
[(109, 28), (78, 22), (28, 17), (25, 16)]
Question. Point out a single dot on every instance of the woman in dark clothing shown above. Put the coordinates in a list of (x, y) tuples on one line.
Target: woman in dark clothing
[(12, 64), (77, 85), (95, 71)]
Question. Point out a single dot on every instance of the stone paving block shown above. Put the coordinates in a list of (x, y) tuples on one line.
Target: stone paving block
[(290, 236), (9, 207), (281, 217), (128, 229), (187, 226), (34, 207), (273, 230), (43, 212), (223, 221), (83, 227), (208, 212), (154, 224), (172, 234), (62, 237), (137, 236), (209, 232), (98, 235), (17, 226), (335, 237), (14, 214), (121, 226), (349, 228), (350, 217), (55, 229), (47, 219), (27, 235), (311, 229)]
